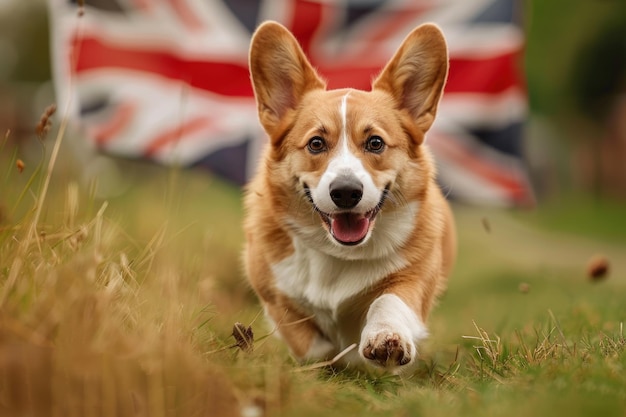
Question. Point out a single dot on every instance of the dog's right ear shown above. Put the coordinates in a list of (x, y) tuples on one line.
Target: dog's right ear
[(415, 77), (281, 75)]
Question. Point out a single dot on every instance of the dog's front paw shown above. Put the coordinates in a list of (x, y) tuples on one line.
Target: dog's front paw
[(388, 349), (390, 335)]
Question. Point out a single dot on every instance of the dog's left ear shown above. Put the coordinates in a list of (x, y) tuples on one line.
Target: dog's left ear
[(281, 76), (415, 77)]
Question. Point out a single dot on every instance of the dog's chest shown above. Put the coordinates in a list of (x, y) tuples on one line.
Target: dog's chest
[(321, 283)]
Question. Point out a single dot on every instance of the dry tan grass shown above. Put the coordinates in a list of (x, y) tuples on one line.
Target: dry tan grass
[(80, 336), (84, 331)]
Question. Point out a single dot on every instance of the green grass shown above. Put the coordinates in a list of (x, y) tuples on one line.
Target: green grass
[(125, 306), (582, 215)]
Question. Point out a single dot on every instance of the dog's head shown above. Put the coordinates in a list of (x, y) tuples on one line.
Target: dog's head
[(347, 152)]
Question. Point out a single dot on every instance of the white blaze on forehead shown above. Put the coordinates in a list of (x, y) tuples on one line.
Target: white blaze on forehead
[(344, 123), (344, 152), (345, 163)]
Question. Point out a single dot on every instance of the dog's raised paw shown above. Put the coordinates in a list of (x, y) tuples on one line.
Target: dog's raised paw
[(388, 349)]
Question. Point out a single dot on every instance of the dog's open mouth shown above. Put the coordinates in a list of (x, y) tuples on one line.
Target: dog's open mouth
[(349, 228)]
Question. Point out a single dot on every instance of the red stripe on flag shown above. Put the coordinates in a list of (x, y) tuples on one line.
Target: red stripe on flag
[(345, 76), (388, 22), (106, 131), (174, 135), (306, 19), (491, 75), (226, 78), (186, 15), (509, 180)]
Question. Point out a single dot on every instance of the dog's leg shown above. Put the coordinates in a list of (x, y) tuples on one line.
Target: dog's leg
[(391, 332), (300, 332), (294, 326)]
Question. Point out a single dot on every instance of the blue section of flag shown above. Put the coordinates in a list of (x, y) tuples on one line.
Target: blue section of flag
[(507, 139), (228, 162), (499, 11), (246, 11)]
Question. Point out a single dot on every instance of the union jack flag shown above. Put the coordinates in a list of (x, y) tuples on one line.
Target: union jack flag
[(167, 80)]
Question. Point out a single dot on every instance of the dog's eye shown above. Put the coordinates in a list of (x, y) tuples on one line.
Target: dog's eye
[(316, 145), (375, 144)]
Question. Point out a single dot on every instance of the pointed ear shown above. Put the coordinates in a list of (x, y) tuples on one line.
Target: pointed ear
[(281, 75), (416, 75)]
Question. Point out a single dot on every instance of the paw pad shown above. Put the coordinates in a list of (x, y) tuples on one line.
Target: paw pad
[(387, 350)]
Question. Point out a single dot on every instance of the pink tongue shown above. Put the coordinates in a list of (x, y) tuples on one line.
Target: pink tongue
[(349, 228)]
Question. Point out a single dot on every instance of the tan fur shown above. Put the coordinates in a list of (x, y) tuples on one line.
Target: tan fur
[(293, 107)]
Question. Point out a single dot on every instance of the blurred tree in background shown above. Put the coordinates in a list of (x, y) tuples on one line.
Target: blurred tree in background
[(576, 71), (26, 27), (598, 86), (24, 64)]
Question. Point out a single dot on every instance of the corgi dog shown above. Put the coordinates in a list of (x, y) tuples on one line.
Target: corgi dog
[(349, 239)]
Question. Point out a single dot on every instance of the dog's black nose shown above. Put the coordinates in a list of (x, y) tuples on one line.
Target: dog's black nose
[(346, 192)]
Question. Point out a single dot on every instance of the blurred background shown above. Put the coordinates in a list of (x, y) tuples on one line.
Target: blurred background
[(573, 61), (134, 290)]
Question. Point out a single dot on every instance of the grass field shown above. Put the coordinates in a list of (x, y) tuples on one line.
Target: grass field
[(126, 306)]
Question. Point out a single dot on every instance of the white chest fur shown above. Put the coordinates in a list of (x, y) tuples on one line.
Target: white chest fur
[(324, 281), (321, 277)]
